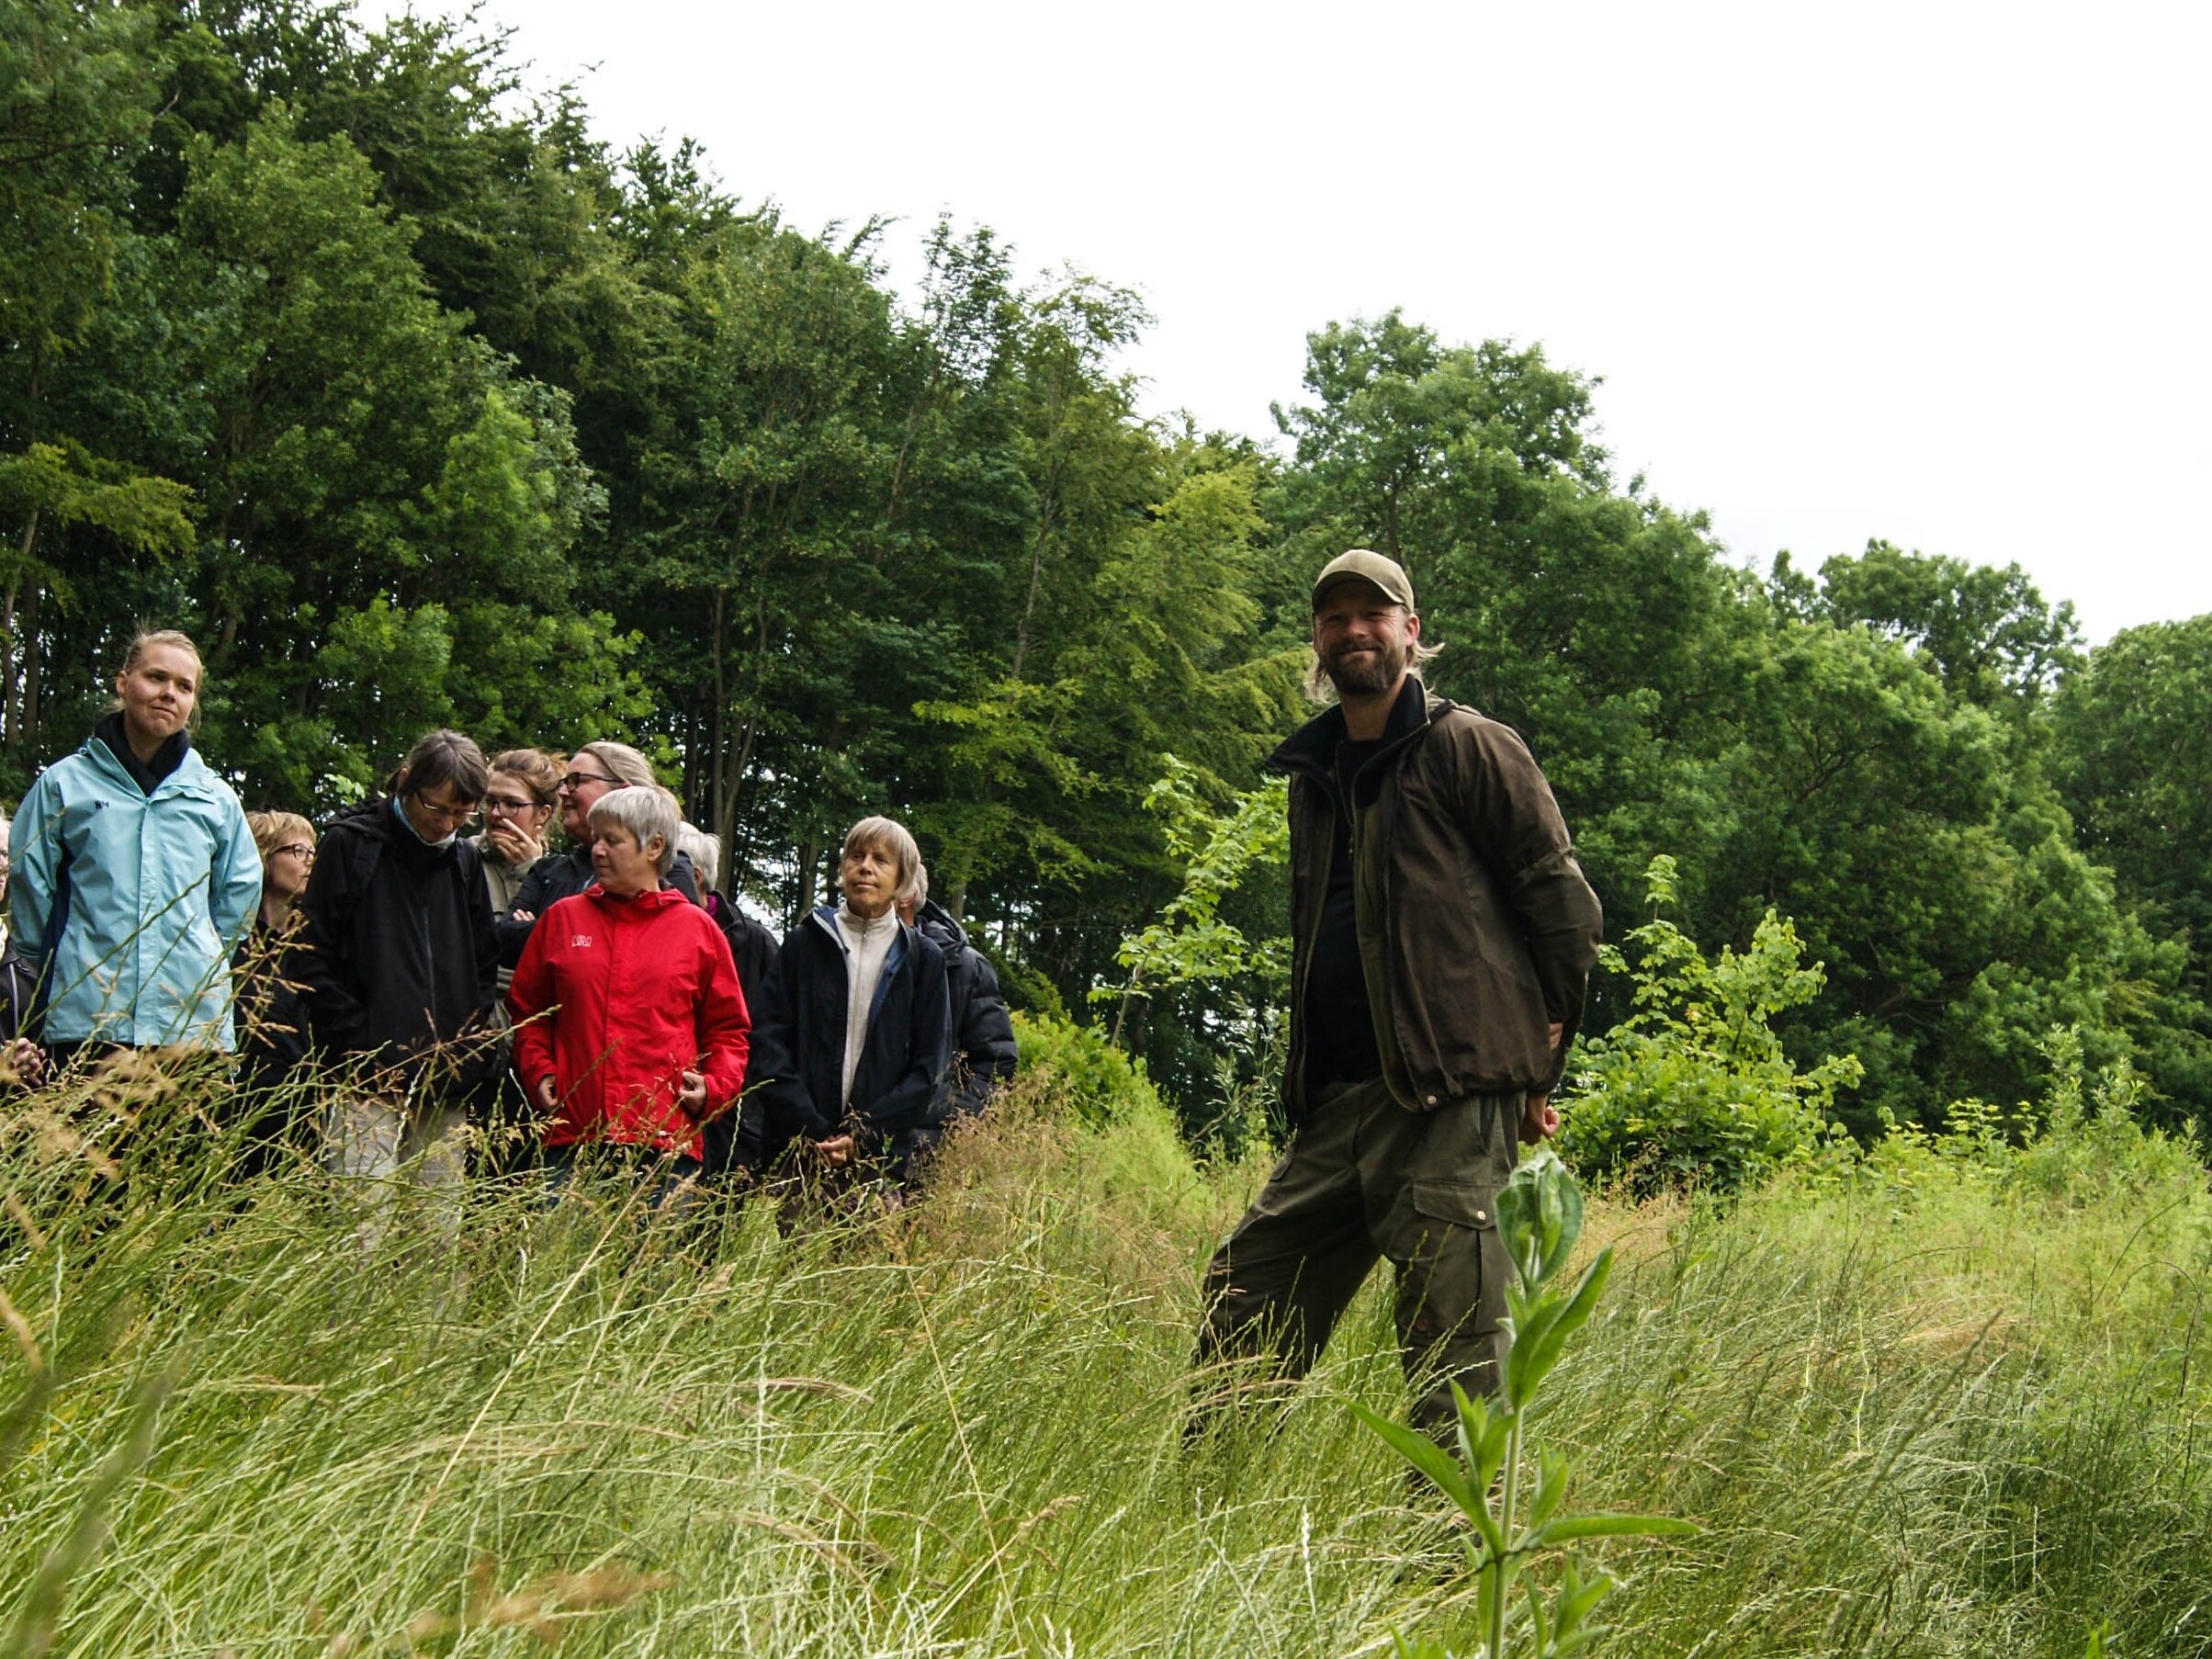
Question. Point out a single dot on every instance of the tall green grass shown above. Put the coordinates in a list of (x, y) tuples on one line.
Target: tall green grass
[(1936, 1415)]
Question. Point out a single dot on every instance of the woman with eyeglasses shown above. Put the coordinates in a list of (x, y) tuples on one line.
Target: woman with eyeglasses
[(519, 801), (272, 1025), (134, 875), (399, 967), (520, 798), (594, 770)]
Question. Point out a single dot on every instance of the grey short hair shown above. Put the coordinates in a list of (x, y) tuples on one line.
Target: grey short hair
[(705, 851), (645, 812), (624, 761)]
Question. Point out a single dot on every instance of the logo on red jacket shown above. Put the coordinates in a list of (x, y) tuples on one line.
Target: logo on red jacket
[(580, 941)]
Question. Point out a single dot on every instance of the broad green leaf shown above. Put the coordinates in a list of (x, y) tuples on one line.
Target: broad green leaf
[(1422, 1452), (1612, 1526)]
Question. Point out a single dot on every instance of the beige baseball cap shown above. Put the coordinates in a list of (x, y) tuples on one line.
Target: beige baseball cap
[(1363, 564)]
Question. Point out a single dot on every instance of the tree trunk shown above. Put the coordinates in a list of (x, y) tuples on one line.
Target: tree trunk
[(1036, 567), (733, 751), (11, 708), (809, 855), (31, 606)]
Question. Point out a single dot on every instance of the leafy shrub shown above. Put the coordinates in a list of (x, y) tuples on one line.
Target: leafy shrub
[(2082, 1143), (1694, 1087), (1105, 1084)]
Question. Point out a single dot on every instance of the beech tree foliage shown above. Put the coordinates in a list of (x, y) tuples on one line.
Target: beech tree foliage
[(366, 362)]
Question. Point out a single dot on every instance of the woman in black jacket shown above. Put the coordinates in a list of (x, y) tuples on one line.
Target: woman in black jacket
[(399, 966), (272, 1023), (858, 1032), (753, 948)]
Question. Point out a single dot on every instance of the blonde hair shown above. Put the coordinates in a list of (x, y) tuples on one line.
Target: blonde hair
[(157, 640), (274, 829), (917, 889), (624, 761), (884, 835), (537, 772)]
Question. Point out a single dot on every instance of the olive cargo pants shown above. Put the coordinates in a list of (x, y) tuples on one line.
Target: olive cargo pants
[(1365, 1179)]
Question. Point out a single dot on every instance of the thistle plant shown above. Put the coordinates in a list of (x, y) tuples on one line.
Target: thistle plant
[(1512, 1491)]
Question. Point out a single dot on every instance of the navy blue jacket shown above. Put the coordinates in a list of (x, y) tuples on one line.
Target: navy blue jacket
[(983, 1031), (899, 1092)]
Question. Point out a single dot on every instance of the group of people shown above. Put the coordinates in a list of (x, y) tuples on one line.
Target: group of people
[(604, 995), (1443, 938)]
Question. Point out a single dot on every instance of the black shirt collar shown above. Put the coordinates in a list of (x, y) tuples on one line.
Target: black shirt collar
[(1311, 749), (146, 774)]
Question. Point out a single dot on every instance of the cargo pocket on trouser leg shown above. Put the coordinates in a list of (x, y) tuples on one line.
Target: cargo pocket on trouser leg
[(1451, 1294)]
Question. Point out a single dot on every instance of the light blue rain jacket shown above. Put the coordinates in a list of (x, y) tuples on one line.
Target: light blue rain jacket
[(129, 904)]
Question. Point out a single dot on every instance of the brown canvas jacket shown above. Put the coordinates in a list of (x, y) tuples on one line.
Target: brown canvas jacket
[(1477, 928)]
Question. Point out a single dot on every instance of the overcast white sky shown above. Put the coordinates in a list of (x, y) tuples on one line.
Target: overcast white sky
[(1931, 273)]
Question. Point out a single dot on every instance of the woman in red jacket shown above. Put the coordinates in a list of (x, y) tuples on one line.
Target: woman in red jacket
[(629, 1025)]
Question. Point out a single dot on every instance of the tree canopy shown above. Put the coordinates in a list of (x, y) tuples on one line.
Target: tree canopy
[(416, 404)]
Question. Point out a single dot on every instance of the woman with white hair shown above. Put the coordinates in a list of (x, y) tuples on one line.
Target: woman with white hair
[(594, 770), (630, 1024), (753, 948)]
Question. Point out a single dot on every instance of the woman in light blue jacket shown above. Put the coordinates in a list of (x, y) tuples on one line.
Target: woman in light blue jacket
[(135, 874)]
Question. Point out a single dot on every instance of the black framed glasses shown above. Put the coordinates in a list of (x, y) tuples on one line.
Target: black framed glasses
[(498, 806), (574, 781), (300, 850)]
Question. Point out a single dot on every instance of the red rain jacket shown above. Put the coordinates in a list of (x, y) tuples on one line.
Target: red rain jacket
[(614, 999)]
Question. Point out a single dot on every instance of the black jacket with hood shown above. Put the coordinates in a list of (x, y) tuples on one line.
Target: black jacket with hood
[(754, 949), (983, 1031), (396, 955), (900, 1100)]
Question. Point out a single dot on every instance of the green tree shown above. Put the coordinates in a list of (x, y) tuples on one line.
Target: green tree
[(77, 88), (2135, 752), (1987, 632)]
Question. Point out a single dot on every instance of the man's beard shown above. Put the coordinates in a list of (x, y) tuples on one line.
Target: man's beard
[(1360, 676)]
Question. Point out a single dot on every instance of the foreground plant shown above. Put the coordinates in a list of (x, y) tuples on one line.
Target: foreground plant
[(1515, 1517)]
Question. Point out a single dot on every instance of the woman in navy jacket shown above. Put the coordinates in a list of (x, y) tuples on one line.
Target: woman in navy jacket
[(855, 1045)]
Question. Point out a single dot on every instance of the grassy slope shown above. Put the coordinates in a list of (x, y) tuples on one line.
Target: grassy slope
[(1922, 1418)]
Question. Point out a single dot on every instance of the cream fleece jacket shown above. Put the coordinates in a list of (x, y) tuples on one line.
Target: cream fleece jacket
[(867, 943)]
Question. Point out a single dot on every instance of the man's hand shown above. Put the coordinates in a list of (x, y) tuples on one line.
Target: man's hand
[(1539, 1120), (548, 1094), (692, 1096), (522, 915), (835, 1151)]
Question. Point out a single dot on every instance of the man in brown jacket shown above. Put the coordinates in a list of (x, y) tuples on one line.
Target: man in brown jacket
[(1442, 936)]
